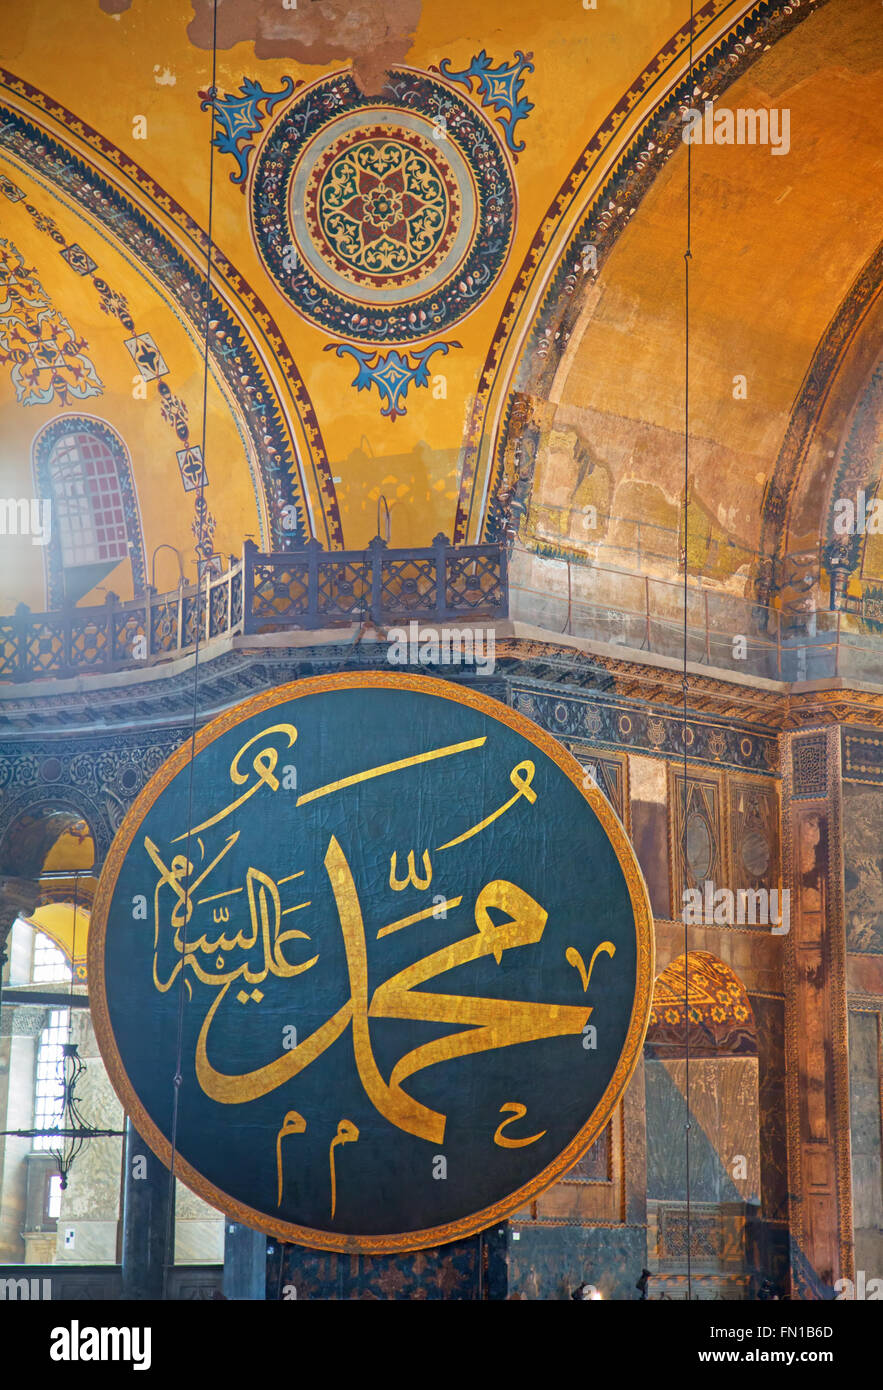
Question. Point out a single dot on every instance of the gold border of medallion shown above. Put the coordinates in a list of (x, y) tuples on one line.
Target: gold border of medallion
[(628, 1059)]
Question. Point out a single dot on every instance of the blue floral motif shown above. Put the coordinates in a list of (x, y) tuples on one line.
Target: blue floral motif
[(241, 118), (393, 373), (500, 88)]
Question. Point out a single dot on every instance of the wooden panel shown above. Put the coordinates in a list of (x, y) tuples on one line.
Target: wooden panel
[(817, 1083), (755, 859), (698, 853)]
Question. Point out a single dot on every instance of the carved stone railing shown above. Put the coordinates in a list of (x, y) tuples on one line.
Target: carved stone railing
[(309, 589)]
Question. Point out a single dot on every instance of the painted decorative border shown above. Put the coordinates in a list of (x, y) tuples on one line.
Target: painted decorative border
[(858, 470), (96, 777), (629, 1057), (862, 755), (151, 367), (647, 729), (47, 356), (806, 413)]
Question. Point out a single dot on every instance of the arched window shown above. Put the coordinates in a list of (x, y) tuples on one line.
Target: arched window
[(49, 964), (88, 500), (83, 466)]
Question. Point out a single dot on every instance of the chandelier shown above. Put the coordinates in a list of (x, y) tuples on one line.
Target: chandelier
[(72, 1129)]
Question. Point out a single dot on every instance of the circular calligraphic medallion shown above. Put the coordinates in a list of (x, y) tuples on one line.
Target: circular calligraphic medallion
[(409, 948), (383, 219)]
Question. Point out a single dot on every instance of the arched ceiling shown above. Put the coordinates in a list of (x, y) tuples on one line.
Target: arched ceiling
[(38, 227), (47, 841), (784, 280), (67, 926), (104, 146)]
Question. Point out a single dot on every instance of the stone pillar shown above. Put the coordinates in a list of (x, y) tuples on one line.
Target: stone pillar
[(145, 1219), (245, 1263), (495, 1263), (817, 1079), (18, 897)]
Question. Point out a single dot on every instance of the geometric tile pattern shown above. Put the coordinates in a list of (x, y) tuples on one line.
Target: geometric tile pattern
[(809, 763)]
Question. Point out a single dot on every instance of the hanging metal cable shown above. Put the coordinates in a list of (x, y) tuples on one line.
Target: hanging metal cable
[(72, 1129), (202, 569), (688, 255)]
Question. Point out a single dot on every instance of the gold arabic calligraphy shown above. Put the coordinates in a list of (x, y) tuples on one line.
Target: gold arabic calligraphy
[(262, 948)]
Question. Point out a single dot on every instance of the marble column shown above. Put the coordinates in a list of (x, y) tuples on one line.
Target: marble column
[(245, 1262), (817, 1080), (145, 1220)]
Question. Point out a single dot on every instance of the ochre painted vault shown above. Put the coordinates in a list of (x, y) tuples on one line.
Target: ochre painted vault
[(534, 349)]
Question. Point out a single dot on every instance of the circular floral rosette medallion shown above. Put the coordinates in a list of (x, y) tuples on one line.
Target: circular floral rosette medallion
[(383, 219)]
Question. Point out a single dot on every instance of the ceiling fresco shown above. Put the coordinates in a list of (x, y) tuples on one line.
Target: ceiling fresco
[(446, 278), (784, 270)]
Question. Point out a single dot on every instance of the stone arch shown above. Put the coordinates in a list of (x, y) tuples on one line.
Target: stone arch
[(286, 455), (567, 252), (31, 824), (828, 448), (34, 821), (63, 918), (721, 1020)]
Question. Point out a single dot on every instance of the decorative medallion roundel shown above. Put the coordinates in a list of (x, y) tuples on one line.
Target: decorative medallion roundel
[(756, 853), (700, 849), (394, 959), (383, 219)]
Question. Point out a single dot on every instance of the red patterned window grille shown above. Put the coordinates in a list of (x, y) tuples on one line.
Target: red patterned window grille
[(87, 500)]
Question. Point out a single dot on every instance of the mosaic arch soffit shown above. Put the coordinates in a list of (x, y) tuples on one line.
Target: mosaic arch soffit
[(860, 468), (248, 353), (31, 828), (720, 1011), (594, 204)]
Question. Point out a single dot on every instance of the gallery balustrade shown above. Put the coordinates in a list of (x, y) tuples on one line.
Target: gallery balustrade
[(312, 589), (309, 589), (642, 613)]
